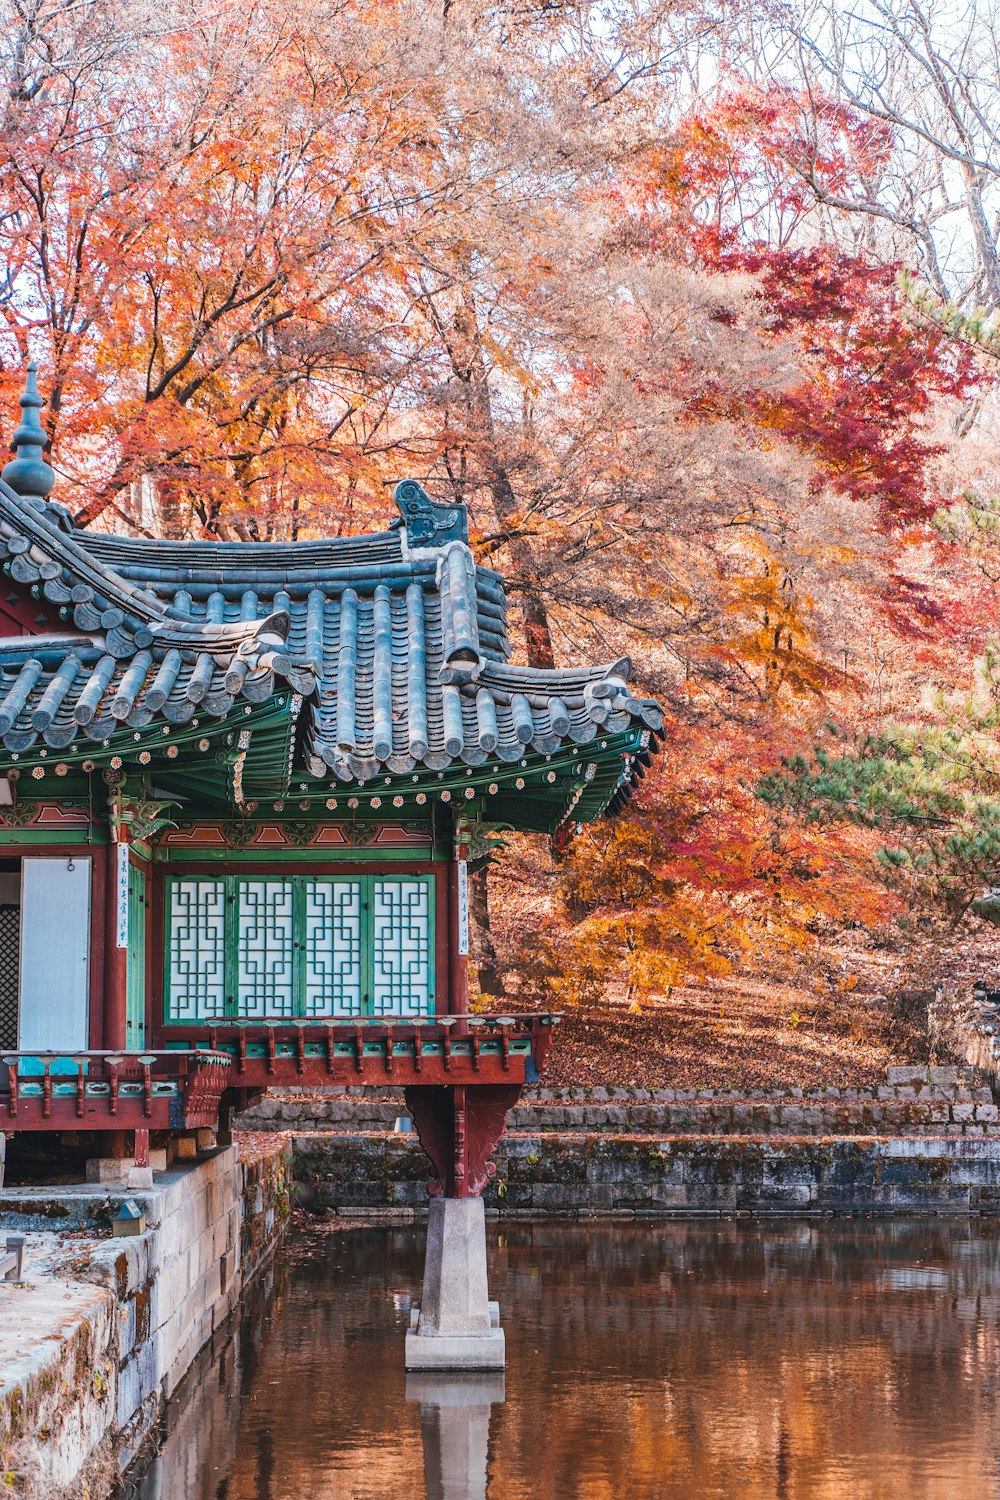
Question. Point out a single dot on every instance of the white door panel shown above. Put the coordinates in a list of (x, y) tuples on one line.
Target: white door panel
[(55, 950)]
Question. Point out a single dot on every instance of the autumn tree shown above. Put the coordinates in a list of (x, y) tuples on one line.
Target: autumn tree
[(276, 257), (921, 82), (202, 222)]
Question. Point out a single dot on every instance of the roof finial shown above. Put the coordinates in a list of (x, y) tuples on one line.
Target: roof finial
[(28, 474), (428, 523)]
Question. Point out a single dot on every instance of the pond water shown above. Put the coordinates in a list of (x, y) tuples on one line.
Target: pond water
[(771, 1360)]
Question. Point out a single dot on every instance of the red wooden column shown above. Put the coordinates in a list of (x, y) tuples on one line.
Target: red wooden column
[(115, 950), (98, 927), (459, 1125)]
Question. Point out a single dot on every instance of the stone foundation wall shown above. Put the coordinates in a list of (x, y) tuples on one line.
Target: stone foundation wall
[(587, 1174), (912, 1099), (81, 1399)]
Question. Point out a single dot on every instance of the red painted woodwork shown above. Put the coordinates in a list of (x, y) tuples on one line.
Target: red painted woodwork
[(22, 615), (457, 1092), (130, 1099), (459, 1100), (460, 1127), (50, 815), (99, 855), (271, 835), (373, 1058)]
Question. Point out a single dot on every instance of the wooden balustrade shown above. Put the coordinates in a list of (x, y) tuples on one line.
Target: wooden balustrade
[(185, 1086)]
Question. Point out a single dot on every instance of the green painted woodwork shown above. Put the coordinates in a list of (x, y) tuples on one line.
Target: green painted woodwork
[(162, 1088), (13, 838), (298, 947), (575, 783), (135, 990), (194, 759)]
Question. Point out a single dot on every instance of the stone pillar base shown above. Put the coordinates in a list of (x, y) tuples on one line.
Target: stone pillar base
[(122, 1171), (476, 1351), (113, 1170), (456, 1326)]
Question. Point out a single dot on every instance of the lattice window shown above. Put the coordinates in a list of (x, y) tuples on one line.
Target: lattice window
[(333, 948), (265, 947), (302, 946), (196, 976), (401, 948), (10, 971)]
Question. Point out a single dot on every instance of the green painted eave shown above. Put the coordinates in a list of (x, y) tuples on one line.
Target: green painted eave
[(240, 765), (194, 762), (536, 793)]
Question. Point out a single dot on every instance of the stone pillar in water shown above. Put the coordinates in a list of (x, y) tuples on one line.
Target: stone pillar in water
[(455, 1426), (456, 1326)]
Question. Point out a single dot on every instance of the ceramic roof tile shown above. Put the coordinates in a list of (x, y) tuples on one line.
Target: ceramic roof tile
[(397, 641), (402, 658)]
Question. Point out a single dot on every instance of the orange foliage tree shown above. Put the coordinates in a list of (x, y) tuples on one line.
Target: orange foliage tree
[(274, 255), (202, 226)]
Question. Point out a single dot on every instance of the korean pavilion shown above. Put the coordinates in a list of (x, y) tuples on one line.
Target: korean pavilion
[(240, 784)]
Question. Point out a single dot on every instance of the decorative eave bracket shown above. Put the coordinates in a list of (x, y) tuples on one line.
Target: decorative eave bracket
[(475, 840), (137, 818)]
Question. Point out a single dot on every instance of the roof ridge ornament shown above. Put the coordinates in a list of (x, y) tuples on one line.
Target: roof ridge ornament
[(28, 474), (426, 522)]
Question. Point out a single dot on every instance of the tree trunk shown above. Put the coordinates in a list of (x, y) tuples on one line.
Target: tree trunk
[(465, 349)]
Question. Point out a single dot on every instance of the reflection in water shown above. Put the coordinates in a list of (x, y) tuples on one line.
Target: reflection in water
[(782, 1360), (455, 1427)]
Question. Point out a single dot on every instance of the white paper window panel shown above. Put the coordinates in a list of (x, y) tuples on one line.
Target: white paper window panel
[(402, 940), (197, 949), (55, 954)]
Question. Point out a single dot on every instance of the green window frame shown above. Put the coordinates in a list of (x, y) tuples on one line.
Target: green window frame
[(298, 947), (135, 985)]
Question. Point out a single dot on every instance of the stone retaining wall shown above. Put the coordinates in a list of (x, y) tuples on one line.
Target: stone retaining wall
[(912, 1099), (587, 1174), (81, 1398)]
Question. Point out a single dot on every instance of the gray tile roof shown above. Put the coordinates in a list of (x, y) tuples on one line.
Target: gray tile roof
[(397, 641)]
